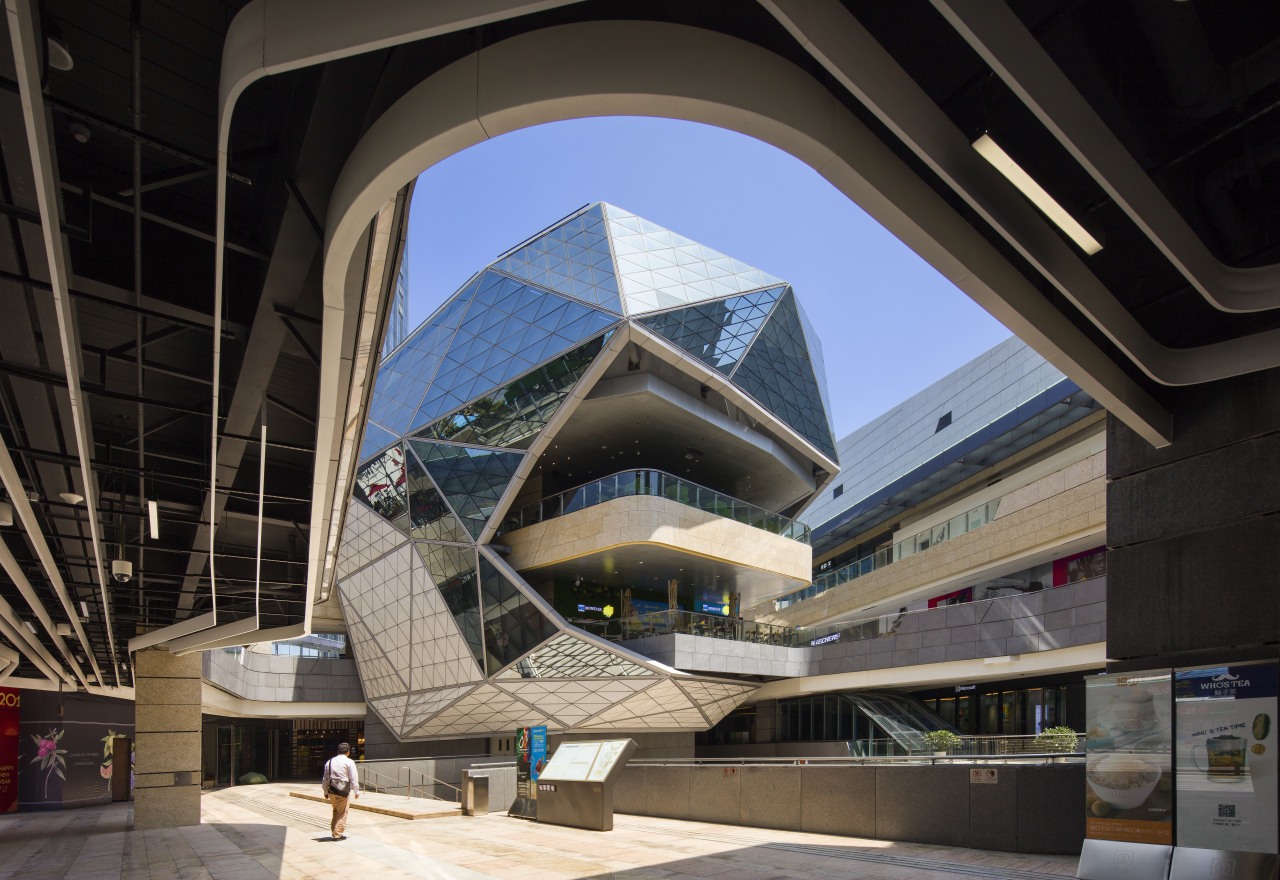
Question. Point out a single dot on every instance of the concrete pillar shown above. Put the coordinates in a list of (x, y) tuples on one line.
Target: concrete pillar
[(167, 736), (1192, 530)]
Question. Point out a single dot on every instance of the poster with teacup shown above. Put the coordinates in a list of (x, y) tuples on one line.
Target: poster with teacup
[(1225, 719), (1129, 757)]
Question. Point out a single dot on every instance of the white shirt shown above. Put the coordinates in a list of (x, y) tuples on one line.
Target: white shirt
[(341, 769)]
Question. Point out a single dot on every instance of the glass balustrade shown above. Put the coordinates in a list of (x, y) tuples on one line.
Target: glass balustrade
[(693, 623), (660, 484), (952, 528)]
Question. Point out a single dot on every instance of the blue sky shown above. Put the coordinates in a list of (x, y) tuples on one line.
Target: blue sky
[(890, 324)]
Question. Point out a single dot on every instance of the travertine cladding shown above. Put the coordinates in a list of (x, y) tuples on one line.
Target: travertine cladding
[(283, 678), (1065, 505), (1067, 617), (648, 519)]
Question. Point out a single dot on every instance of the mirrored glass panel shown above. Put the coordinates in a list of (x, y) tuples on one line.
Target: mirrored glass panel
[(380, 484), (452, 570), (471, 479), (405, 376), (512, 624), (511, 328), (659, 269), (429, 515), (572, 258), (779, 373), (568, 657), (376, 438), (513, 415), (716, 332)]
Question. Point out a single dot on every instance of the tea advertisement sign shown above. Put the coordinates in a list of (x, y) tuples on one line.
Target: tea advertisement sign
[(531, 759), (1226, 756), (1129, 757)]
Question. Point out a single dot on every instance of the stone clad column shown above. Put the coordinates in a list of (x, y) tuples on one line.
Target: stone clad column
[(167, 738)]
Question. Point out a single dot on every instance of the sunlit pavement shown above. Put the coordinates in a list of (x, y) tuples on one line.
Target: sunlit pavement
[(259, 832)]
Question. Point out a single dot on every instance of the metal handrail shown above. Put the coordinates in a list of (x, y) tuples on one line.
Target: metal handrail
[(657, 483), (383, 781), (1025, 758)]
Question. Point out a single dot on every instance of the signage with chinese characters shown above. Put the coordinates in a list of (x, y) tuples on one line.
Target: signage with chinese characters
[(983, 776), (1226, 756), (1128, 763)]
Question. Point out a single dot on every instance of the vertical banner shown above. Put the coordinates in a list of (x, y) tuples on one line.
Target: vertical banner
[(1226, 751), (537, 756), (1129, 757), (531, 759), (10, 705)]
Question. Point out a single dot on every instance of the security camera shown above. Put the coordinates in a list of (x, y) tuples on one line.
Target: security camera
[(121, 570)]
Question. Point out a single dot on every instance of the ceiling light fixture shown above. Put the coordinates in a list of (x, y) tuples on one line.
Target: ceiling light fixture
[(153, 514), (1026, 184), (31, 626), (84, 609), (71, 497), (6, 513), (59, 55)]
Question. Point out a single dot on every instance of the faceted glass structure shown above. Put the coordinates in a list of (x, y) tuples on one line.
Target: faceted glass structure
[(448, 639)]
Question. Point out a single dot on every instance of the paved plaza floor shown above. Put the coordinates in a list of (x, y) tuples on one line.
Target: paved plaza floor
[(260, 832)]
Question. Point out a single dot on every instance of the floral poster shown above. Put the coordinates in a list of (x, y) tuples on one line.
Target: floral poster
[(1129, 757), (66, 748)]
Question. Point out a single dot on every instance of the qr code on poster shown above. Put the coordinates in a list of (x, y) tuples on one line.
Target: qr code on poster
[(1226, 811)]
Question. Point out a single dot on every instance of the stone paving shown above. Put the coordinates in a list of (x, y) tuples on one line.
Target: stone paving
[(259, 832)]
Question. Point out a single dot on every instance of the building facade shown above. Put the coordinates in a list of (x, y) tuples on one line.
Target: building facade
[(607, 420)]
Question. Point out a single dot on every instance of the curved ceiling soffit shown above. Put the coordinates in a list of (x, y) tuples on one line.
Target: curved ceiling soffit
[(1017, 57), (268, 37), (848, 51), (609, 68)]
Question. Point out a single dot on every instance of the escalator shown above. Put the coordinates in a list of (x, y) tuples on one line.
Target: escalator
[(897, 724)]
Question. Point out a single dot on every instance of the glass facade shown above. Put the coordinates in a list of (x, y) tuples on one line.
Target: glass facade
[(446, 642), (779, 373), (716, 332)]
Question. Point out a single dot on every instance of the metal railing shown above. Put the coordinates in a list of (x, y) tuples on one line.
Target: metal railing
[(403, 785), (659, 484), (952, 528), (1023, 758), (693, 623)]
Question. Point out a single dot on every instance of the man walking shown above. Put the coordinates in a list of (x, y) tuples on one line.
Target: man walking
[(341, 783)]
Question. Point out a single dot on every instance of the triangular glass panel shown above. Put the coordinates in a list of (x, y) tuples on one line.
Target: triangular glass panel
[(471, 479), (376, 438), (514, 414), (452, 570), (560, 255), (779, 373), (654, 266), (429, 515), (569, 657), (539, 326), (405, 376), (513, 625), (380, 484), (716, 332)]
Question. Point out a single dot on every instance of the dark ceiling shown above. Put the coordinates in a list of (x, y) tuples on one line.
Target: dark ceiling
[(1190, 89)]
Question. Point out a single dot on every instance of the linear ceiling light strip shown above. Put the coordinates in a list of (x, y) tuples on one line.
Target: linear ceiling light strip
[(22, 33), (1014, 54)]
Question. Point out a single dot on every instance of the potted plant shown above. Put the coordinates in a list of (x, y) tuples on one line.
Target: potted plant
[(941, 741), (1057, 739)]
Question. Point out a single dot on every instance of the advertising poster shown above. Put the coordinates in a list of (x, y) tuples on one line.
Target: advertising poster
[(1129, 757), (66, 748), (10, 706), (1225, 720), (531, 759)]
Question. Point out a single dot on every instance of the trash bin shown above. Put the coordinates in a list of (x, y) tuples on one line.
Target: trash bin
[(475, 795)]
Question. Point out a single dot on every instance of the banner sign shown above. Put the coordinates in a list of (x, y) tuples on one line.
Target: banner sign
[(1226, 756), (531, 759), (10, 704), (1129, 757)]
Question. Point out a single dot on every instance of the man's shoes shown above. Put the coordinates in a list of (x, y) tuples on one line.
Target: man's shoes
[(339, 837)]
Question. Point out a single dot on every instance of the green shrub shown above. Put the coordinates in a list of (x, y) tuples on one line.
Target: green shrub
[(941, 740), (1057, 739)]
